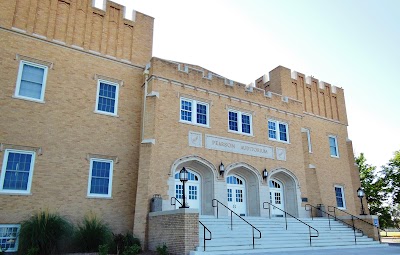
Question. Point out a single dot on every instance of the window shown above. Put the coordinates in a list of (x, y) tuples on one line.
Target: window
[(17, 171), (9, 237), (333, 146), (31, 81), (100, 178), (309, 140), (194, 112), (278, 131), (239, 122), (340, 201), (107, 97)]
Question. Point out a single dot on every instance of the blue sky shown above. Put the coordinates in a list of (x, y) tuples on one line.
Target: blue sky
[(353, 44)]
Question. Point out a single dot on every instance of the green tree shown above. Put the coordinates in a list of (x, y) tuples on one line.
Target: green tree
[(376, 191), (392, 176)]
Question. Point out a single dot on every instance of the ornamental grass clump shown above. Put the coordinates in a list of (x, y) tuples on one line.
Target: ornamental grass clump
[(92, 233), (42, 233)]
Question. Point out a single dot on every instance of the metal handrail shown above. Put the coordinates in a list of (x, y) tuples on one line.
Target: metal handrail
[(352, 218), (286, 213), (204, 227), (232, 212), (204, 235), (337, 219), (176, 200)]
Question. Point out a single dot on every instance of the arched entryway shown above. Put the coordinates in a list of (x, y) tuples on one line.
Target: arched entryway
[(248, 190), (236, 189), (284, 189), (200, 186)]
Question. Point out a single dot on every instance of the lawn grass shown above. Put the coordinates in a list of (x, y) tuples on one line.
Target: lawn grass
[(391, 234)]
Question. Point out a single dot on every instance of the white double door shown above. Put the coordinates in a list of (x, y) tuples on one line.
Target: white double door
[(276, 198), (236, 191)]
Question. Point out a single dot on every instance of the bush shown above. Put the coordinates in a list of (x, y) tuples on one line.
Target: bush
[(132, 250), (42, 233), (103, 249), (92, 233), (162, 250), (123, 242)]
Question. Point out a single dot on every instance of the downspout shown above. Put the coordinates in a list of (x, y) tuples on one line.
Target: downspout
[(146, 76)]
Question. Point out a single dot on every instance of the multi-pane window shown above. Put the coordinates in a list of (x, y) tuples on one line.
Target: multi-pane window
[(333, 147), (339, 193), (278, 200), (107, 97), (9, 237), (278, 131), (192, 192), (179, 191), (239, 195), (31, 81), (239, 122), (229, 195), (17, 171), (100, 178), (194, 112)]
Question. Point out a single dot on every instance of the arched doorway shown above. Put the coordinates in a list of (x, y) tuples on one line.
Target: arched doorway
[(250, 179), (192, 190), (276, 197), (284, 187), (236, 190), (200, 186)]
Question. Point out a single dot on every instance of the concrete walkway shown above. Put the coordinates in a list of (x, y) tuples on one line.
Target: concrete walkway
[(392, 249)]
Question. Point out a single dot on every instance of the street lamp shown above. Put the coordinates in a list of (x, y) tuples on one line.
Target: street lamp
[(361, 194), (265, 174), (183, 177)]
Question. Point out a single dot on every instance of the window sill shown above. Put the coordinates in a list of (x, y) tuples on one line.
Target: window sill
[(335, 157), (29, 99), (279, 141), (15, 193), (193, 124), (106, 113), (240, 133), (98, 197)]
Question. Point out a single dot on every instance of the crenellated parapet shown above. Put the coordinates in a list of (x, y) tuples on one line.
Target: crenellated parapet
[(319, 98), (79, 24), (202, 80)]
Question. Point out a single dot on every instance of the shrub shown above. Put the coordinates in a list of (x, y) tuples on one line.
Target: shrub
[(92, 233), (123, 242), (132, 250), (162, 250), (42, 233), (103, 249)]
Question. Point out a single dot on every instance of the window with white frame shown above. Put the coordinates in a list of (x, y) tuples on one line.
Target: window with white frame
[(333, 146), (31, 81), (107, 97), (17, 171), (240, 122), (340, 200), (100, 177), (194, 112), (9, 237), (278, 131)]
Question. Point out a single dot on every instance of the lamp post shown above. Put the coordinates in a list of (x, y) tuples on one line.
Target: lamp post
[(183, 177), (361, 194), (221, 169), (265, 174)]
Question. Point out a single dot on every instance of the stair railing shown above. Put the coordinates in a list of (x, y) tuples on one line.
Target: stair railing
[(310, 208), (334, 208), (173, 202), (286, 213), (217, 202)]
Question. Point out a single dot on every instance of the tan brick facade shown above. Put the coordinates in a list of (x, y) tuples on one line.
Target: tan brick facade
[(147, 141)]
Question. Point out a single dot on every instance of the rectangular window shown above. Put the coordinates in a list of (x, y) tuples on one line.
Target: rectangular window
[(339, 193), (31, 81), (229, 195), (278, 131), (239, 122), (9, 237), (107, 97), (194, 112), (17, 171), (309, 140), (100, 177), (333, 146)]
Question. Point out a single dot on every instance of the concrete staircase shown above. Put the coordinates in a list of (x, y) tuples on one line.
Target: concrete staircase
[(275, 237)]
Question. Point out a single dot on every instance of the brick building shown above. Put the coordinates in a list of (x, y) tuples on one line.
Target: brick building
[(90, 121)]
